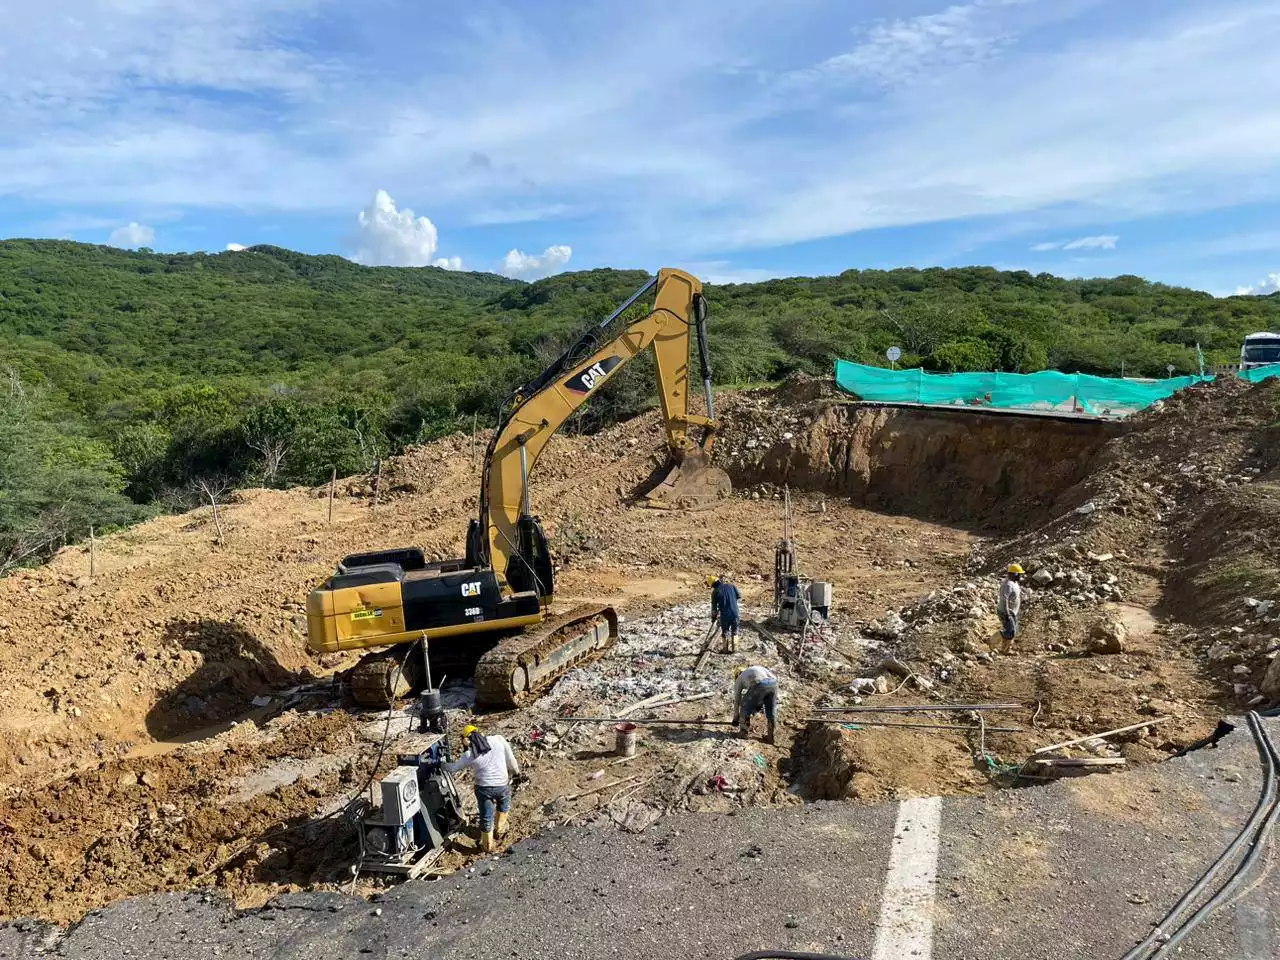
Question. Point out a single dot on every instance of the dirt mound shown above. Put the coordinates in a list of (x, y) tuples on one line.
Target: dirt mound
[(1185, 508), (163, 823)]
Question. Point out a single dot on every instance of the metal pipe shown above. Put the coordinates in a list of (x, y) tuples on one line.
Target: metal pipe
[(704, 353), (524, 479), (915, 726), (648, 285), (642, 720), (922, 708)]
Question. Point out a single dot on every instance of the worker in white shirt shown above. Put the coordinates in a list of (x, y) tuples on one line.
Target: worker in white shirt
[(1009, 605), (756, 691), (494, 765)]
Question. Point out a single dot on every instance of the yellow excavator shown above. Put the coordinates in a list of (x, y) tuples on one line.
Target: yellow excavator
[(491, 609)]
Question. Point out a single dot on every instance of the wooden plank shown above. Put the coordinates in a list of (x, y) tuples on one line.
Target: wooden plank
[(1101, 736), (706, 647), (641, 704), (603, 786)]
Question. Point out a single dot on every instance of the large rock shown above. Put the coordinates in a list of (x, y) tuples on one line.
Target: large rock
[(1270, 685), (1107, 636), (1042, 577), (890, 628)]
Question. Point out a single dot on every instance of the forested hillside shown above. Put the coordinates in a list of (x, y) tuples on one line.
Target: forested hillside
[(130, 376)]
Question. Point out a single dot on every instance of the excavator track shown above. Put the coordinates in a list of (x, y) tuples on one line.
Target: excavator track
[(379, 680), (523, 666)]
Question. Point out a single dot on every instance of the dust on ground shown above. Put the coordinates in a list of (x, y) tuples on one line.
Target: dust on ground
[(162, 725)]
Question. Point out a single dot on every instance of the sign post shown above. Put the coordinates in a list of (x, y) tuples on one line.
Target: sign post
[(893, 353)]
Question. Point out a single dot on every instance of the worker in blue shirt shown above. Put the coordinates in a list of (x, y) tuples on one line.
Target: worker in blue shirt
[(724, 610)]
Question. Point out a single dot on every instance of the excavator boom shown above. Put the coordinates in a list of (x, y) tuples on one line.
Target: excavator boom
[(538, 409)]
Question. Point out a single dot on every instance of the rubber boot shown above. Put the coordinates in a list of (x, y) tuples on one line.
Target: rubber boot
[(500, 827), (486, 842)]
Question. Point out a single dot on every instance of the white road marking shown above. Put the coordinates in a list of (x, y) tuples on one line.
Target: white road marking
[(906, 913)]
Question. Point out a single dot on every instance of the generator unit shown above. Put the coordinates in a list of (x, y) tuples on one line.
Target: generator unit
[(796, 599), (801, 599), (419, 811)]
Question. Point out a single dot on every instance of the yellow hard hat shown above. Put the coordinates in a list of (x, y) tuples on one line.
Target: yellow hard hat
[(468, 730), (1016, 568), (711, 579)]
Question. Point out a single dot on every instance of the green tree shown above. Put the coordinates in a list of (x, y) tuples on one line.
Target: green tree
[(957, 356), (54, 484)]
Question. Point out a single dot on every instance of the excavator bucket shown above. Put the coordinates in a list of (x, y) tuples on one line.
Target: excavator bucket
[(691, 484)]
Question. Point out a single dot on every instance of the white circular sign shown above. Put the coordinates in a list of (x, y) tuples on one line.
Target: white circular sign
[(1171, 368), (893, 353)]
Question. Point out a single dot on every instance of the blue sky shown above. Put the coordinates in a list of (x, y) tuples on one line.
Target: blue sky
[(741, 139)]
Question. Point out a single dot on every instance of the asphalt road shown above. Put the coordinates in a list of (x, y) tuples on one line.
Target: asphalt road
[(1078, 869)]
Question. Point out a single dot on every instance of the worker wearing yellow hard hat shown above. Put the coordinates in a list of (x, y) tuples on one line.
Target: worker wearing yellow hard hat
[(724, 610), (1009, 606), (494, 764)]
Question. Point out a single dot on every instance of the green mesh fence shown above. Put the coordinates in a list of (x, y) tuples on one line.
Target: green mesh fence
[(1260, 373), (1047, 390)]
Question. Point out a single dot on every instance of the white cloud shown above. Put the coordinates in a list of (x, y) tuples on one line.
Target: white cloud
[(1262, 288), (236, 247), (529, 266), (1107, 242), (390, 237), (901, 51), (1103, 242), (132, 235)]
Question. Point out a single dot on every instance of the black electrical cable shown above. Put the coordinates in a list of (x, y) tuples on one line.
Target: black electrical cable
[(790, 955), (382, 747), (1270, 761), (1264, 813)]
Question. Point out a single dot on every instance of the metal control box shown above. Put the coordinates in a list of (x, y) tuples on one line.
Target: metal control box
[(820, 595), (400, 799)]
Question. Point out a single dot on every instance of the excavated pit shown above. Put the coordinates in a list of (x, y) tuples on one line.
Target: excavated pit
[(995, 471)]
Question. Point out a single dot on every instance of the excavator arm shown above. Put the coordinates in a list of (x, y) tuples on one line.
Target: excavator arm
[(505, 536)]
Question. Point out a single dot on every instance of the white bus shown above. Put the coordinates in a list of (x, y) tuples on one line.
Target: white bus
[(1259, 349)]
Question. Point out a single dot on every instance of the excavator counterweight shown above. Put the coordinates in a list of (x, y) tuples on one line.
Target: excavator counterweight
[(489, 611)]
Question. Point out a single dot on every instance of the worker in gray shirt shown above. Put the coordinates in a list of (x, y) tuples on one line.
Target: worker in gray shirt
[(1009, 606), (756, 691), (494, 764)]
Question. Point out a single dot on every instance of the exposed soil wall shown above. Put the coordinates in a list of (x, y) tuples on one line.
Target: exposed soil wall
[(987, 470), (873, 765)]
